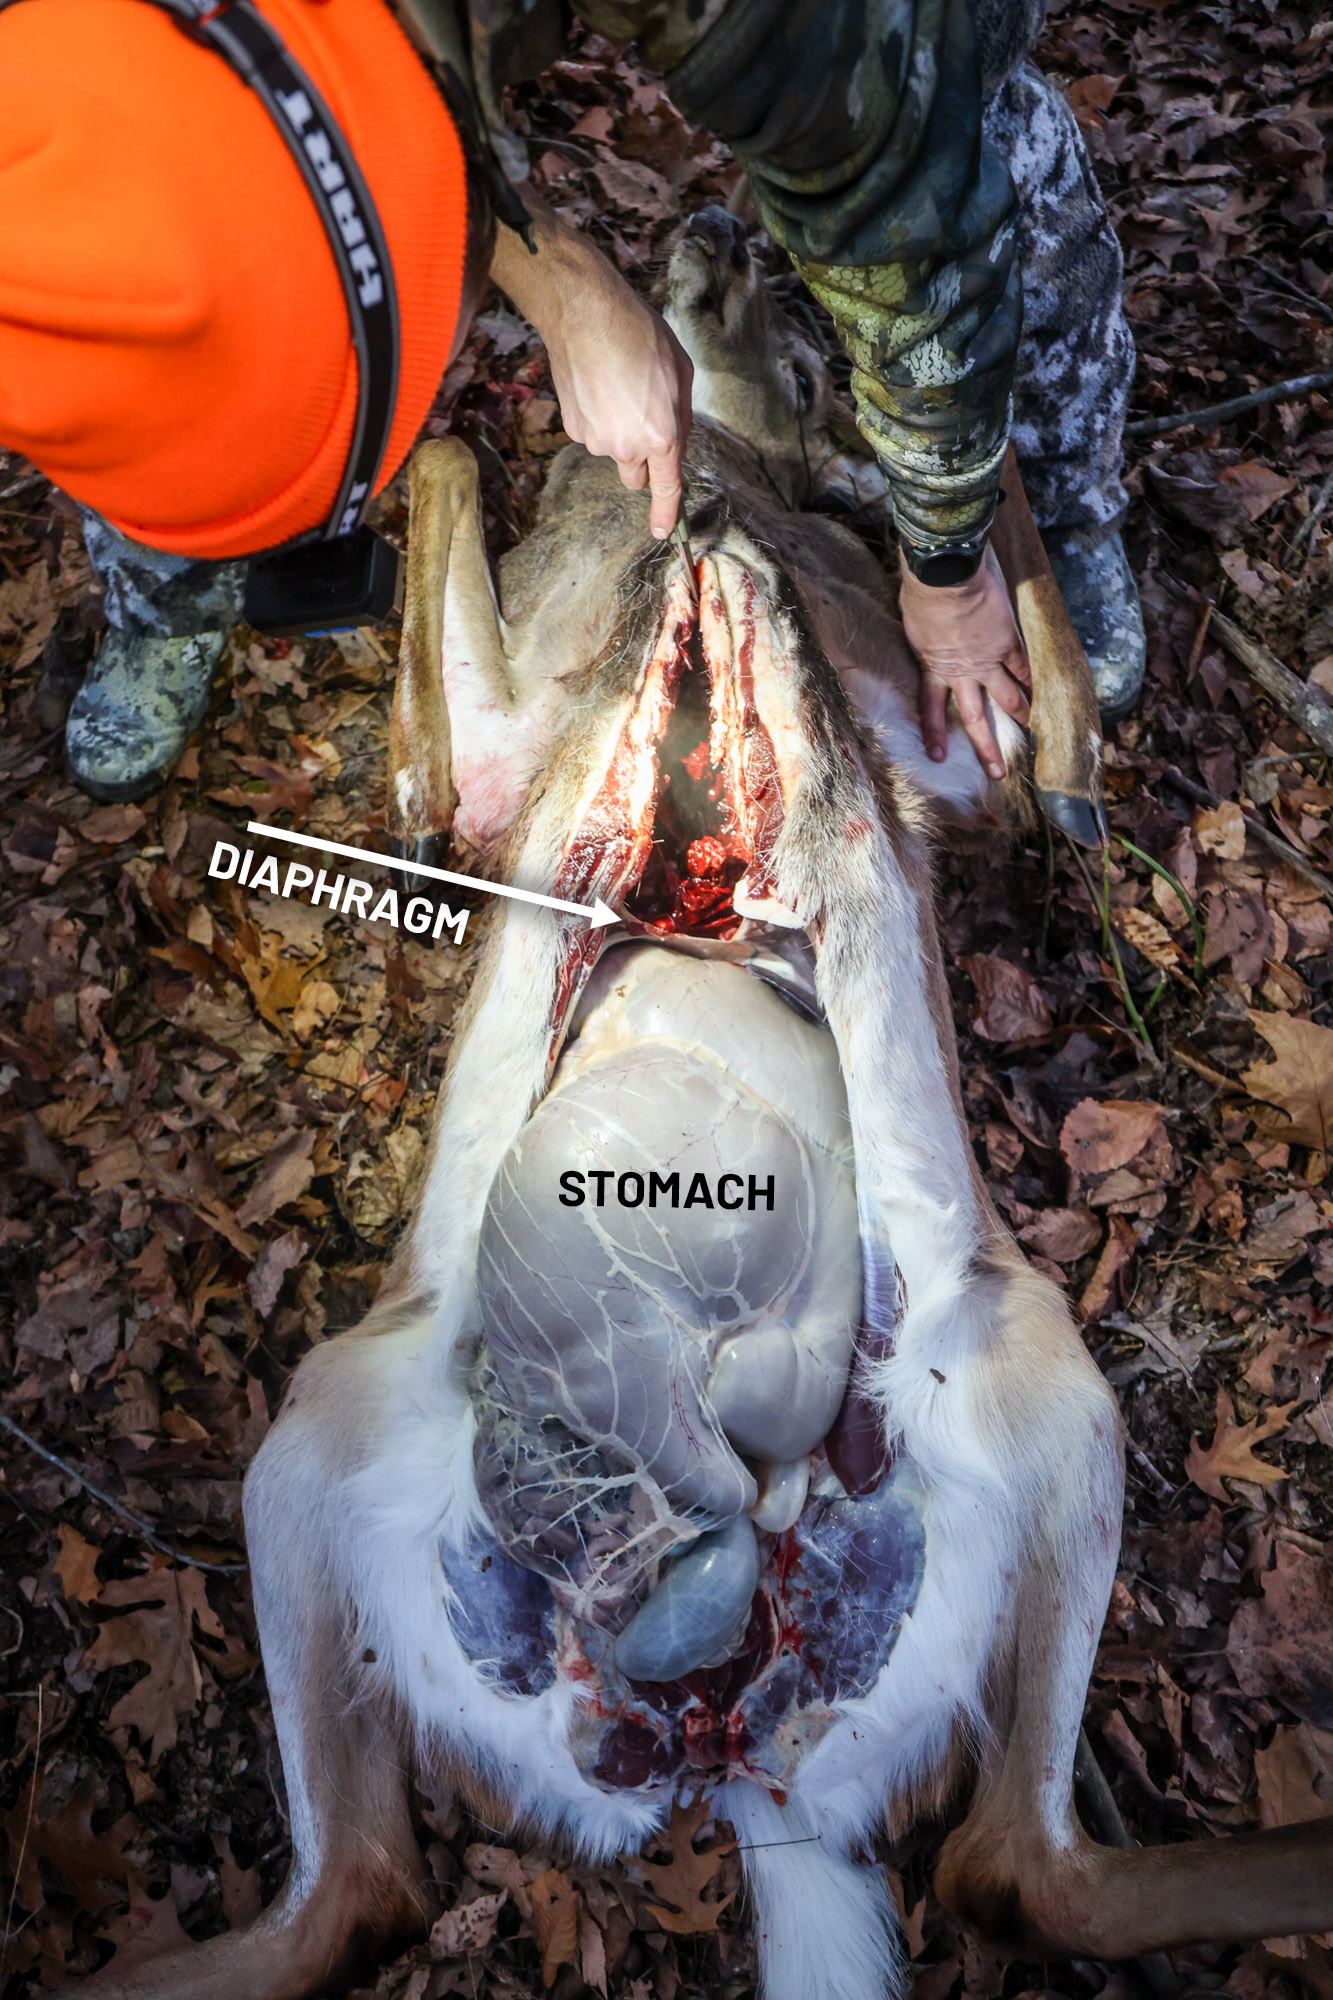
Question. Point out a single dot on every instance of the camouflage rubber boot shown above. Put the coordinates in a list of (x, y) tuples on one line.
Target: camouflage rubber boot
[(168, 620), (132, 718), (1098, 588)]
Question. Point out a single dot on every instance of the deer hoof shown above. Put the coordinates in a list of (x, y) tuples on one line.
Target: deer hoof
[(1075, 815)]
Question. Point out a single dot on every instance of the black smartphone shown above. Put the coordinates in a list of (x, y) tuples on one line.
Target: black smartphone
[(325, 586)]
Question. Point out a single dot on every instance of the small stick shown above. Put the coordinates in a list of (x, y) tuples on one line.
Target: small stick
[(1096, 1798), (1237, 406), (146, 1533), (1294, 859), (1309, 707), (1321, 499), (1196, 649), (1289, 285), (1216, 1077)]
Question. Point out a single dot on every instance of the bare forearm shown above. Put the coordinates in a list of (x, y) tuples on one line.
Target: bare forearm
[(542, 284), (621, 376)]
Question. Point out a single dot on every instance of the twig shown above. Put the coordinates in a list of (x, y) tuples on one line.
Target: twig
[(1105, 1824), (1312, 519), (26, 484), (1102, 907), (1196, 649), (1309, 707), (9, 1931), (1218, 1078), (145, 1532), (1294, 859), (1237, 406), (1289, 286)]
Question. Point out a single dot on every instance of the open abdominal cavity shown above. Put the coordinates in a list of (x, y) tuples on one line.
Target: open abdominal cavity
[(671, 1306)]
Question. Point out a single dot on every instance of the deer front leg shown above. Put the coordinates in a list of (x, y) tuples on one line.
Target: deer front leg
[(1021, 1868), (357, 1884), (449, 606), (1067, 765)]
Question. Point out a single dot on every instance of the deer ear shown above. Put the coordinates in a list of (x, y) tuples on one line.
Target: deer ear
[(740, 203), (851, 472)]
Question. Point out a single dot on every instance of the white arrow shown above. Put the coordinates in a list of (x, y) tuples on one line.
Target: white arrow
[(599, 915)]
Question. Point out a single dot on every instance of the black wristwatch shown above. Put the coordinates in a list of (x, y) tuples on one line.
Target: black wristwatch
[(939, 567)]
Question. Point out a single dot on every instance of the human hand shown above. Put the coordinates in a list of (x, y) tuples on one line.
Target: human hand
[(622, 378), (966, 641), (623, 381)]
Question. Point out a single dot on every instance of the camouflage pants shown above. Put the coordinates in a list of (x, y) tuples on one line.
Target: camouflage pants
[(149, 591), (1076, 357)]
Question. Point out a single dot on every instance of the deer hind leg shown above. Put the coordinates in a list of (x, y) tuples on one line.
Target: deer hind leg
[(1020, 1867), (357, 1884), (1067, 764), (449, 606)]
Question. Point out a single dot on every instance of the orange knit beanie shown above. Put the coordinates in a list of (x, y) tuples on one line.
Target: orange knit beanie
[(175, 347)]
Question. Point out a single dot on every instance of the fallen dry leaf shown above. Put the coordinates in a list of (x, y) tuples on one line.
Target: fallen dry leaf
[(76, 1565), (287, 1173), (1011, 1007), (1220, 830), (1287, 1781), (93, 1864), (157, 1627), (1231, 1453), (1281, 1229), (1096, 1138), (1258, 486), (275, 1260), (592, 1952), (108, 826), (679, 1883), (468, 1928), (1280, 1645), (1299, 1084), (1062, 1234), (1151, 937), (555, 1918)]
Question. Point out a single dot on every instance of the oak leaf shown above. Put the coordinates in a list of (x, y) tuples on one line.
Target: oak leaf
[(93, 1864), (1299, 1084), (76, 1565), (1231, 1453), (156, 1626), (680, 1882), (555, 1918)]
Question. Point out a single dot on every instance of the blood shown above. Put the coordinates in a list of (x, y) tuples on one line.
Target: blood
[(699, 851)]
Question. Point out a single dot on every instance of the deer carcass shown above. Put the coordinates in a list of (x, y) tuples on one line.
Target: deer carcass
[(710, 1431)]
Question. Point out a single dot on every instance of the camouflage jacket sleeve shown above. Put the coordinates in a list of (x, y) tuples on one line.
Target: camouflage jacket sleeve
[(859, 124)]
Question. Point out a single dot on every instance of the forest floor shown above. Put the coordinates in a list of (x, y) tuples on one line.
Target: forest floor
[(214, 1111)]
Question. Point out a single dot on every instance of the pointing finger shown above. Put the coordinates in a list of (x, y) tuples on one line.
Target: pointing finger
[(664, 478)]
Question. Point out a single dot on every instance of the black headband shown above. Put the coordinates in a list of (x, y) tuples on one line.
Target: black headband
[(238, 32)]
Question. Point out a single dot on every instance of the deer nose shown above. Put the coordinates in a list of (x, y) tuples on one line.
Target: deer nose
[(718, 232)]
